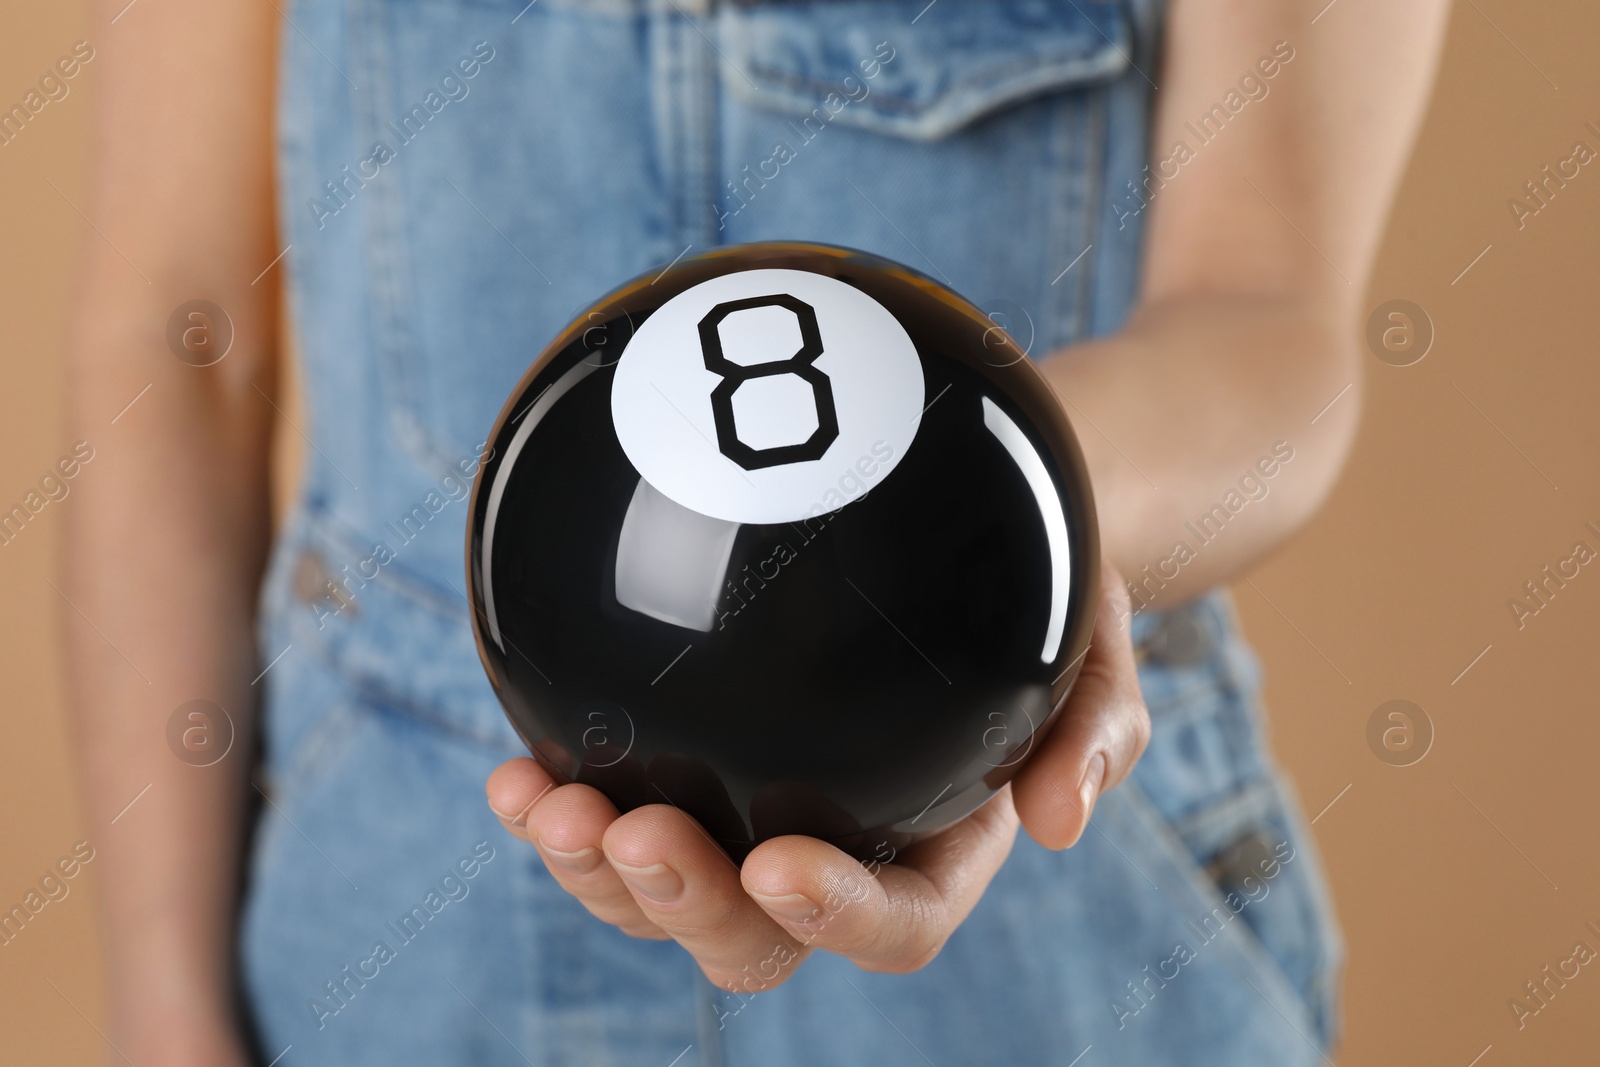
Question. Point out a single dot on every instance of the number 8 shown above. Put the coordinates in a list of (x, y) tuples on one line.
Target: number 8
[(734, 375)]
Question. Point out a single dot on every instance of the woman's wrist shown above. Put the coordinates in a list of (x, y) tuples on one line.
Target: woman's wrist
[(200, 1040), (170, 1004)]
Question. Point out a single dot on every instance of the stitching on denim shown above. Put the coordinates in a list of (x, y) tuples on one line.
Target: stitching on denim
[(320, 529), (384, 213), (668, 83), (1074, 68), (1063, 186), (1094, 165), (707, 97), (1246, 805), (322, 742), (369, 693), (1132, 803), (1195, 699)]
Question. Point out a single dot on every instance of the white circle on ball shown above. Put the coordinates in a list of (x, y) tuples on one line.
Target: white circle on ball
[(813, 414)]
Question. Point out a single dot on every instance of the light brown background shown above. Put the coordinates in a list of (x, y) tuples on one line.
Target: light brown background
[(1457, 878)]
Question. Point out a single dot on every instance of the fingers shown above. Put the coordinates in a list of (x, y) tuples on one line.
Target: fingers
[(892, 917), (1101, 733), (655, 873), (652, 873), (565, 825), (513, 788), (687, 886)]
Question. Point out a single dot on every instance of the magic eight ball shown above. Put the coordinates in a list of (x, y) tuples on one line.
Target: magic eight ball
[(791, 537)]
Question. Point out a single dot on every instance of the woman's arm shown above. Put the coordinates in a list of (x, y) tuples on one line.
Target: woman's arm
[(168, 531), (1260, 246)]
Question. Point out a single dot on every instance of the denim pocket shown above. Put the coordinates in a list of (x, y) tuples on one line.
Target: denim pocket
[(969, 140), (1230, 820), (387, 642), (916, 71)]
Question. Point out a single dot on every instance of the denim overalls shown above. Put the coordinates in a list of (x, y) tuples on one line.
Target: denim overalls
[(457, 178)]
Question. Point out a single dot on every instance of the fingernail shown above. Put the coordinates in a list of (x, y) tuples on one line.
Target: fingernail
[(580, 862), (793, 907), (657, 882), (1094, 777), (519, 819)]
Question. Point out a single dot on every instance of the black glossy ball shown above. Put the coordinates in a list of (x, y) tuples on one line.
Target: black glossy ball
[(791, 537)]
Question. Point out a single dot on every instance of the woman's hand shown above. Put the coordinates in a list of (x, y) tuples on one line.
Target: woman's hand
[(654, 873)]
